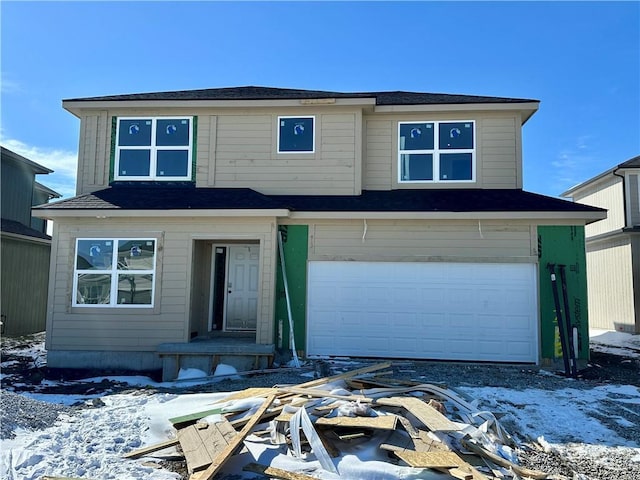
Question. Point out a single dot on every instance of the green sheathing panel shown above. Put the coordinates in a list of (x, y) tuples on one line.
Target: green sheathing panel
[(112, 160), (194, 149), (295, 246), (562, 245)]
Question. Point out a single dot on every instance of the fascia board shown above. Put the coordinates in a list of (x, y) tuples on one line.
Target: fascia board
[(109, 213), (571, 217), (460, 107), (76, 107)]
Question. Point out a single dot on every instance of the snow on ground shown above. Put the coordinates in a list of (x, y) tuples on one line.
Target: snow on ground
[(90, 444), (615, 343)]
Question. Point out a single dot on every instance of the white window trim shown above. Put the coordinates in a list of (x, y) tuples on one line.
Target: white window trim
[(297, 152), (437, 151), (154, 150), (113, 271)]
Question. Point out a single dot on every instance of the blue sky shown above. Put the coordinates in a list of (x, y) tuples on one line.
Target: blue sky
[(580, 59)]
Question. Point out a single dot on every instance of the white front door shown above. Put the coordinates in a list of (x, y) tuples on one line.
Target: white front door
[(242, 287)]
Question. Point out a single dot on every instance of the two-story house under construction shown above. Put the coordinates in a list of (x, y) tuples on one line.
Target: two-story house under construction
[(613, 247), (401, 218)]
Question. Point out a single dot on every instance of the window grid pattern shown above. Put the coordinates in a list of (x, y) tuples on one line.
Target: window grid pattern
[(436, 151), (116, 272), (154, 148)]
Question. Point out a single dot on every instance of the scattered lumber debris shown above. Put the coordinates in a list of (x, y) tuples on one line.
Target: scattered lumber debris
[(409, 424)]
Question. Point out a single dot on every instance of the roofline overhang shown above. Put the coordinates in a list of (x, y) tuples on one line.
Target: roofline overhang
[(598, 178), (77, 106), (573, 217), (529, 108), (27, 238), (52, 214)]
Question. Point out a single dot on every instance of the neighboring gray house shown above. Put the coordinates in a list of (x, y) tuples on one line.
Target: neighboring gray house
[(613, 247), (406, 230), (25, 246)]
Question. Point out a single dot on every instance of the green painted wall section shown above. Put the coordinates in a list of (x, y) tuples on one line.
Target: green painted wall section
[(25, 283), (295, 246), (562, 245)]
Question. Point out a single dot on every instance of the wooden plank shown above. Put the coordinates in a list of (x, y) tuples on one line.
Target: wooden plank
[(503, 462), (381, 422), (201, 443), (430, 459), (314, 392), (151, 448), (257, 392), (273, 472), (224, 455), (342, 376), (429, 416)]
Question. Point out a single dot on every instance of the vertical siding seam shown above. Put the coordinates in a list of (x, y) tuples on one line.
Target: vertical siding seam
[(211, 154)]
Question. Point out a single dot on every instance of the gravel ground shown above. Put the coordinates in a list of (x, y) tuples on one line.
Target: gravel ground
[(23, 375)]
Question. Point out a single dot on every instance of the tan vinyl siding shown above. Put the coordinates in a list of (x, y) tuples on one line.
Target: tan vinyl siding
[(610, 285), (94, 152), (498, 157), (606, 194), (246, 156), (143, 329), (408, 240), (634, 200), (378, 154), (497, 153)]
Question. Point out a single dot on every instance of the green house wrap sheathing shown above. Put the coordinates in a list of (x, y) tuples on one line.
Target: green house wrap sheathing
[(562, 245), (295, 246)]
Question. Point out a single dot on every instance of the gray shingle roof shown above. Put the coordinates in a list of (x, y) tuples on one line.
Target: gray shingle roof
[(158, 197), (12, 226), (270, 93)]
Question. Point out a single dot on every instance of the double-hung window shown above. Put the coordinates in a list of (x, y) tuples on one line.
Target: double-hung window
[(438, 151), (296, 134), (154, 148), (114, 272)]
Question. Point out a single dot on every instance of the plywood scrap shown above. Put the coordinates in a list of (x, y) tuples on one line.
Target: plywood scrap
[(429, 416), (141, 452), (273, 472), (381, 422), (430, 459), (200, 444), (224, 455), (344, 376)]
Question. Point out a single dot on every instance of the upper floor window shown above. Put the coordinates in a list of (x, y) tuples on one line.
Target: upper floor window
[(114, 272), (296, 134), (153, 148), (431, 152)]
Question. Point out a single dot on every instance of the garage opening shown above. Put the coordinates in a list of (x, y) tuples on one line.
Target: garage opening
[(439, 311)]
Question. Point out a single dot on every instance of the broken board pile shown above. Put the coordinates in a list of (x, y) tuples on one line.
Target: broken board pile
[(423, 426)]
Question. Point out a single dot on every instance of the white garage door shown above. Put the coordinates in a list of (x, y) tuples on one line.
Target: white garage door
[(446, 311)]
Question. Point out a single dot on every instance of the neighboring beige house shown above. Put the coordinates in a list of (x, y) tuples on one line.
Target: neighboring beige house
[(406, 232), (613, 247)]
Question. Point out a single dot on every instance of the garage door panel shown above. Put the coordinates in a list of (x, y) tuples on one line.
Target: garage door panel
[(444, 311)]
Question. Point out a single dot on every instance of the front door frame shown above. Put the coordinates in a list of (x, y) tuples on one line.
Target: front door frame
[(213, 284)]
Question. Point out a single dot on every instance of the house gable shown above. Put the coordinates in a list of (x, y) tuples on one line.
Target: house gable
[(355, 144)]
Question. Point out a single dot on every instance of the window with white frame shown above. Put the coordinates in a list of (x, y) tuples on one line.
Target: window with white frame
[(296, 134), (117, 272), (438, 151), (157, 148)]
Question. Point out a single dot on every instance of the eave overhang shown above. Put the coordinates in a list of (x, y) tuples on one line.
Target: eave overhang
[(76, 107), (528, 109), (52, 214)]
